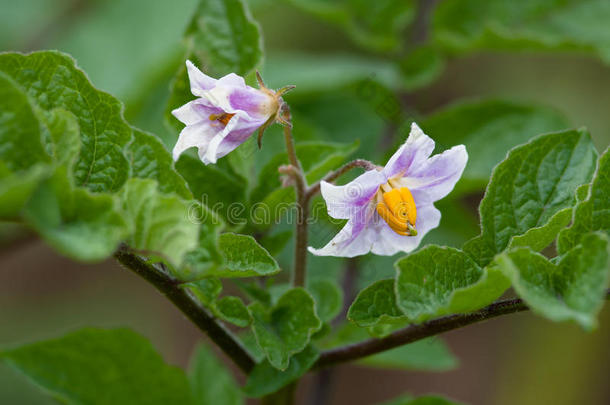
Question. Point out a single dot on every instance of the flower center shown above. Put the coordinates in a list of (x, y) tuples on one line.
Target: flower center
[(223, 118), (396, 206)]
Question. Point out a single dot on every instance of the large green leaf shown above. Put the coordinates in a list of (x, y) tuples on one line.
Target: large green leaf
[(95, 366), (52, 80), (489, 128), (266, 379), (211, 382), (286, 328), (529, 188), (76, 222), (592, 213), (150, 160), (572, 289), (580, 25), (437, 281), (377, 25), (160, 223)]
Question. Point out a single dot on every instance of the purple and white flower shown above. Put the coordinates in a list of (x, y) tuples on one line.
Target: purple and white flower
[(390, 209), (224, 115)]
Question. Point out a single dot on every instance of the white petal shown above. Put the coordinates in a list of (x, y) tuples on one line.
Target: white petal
[(198, 135), (412, 154), (342, 201), (200, 82)]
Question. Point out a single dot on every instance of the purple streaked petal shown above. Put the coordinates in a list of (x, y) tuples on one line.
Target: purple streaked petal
[(253, 101), (198, 135), (438, 175), (389, 243), (200, 82), (343, 201), (237, 130), (412, 154), (354, 239)]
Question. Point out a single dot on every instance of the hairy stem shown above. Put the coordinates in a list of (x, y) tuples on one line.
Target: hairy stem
[(170, 287), (414, 333), (332, 176), (296, 171)]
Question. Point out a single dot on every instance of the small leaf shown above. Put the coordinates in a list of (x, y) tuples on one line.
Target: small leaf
[(375, 305), (52, 80), (93, 366), (243, 257), (286, 328), (437, 281), (592, 213), (160, 224), (535, 182), (149, 159), (211, 382), (76, 222), (233, 309), (573, 289), (328, 298), (266, 379)]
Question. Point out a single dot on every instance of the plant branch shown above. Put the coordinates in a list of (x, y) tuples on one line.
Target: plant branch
[(414, 333), (296, 171), (332, 176), (170, 287)]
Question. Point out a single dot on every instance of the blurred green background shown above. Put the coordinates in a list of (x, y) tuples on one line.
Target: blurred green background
[(348, 87)]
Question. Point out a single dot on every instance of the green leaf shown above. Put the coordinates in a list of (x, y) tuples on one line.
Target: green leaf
[(540, 237), (573, 289), (96, 366), (592, 213), (425, 400), (489, 128), (328, 298), (430, 354), (376, 304), (211, 382), (233, 309), (52, 80), (224, 34), (64, 134), (266, 379), (376, 25), (149, 159), (215, 187), (160, 224), (76, 222), (16, 189), (21, 134), (526, 190), (576, 25), (421, 67), (437, 281), (244, 257), (286, 328)]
